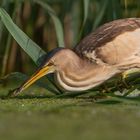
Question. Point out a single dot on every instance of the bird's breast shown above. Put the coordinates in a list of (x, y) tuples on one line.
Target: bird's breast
[(80, 81)]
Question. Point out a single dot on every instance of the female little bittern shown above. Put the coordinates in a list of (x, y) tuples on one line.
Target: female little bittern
[(112, 49)]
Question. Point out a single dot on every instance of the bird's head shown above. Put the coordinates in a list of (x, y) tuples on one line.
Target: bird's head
[(56, 60)]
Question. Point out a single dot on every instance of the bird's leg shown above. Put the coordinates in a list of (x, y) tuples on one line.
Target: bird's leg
[(103, 92), (117, 84), (123, 79), (105, 88)]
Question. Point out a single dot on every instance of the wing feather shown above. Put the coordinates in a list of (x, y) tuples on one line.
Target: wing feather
[(88, 47)]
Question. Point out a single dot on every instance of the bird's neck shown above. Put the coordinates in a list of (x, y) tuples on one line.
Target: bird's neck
[(81, 75)]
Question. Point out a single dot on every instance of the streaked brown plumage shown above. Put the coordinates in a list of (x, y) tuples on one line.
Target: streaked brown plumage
[(111, 49)]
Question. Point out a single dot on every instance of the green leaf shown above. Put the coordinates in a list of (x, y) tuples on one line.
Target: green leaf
[(57, 22), (30, 47), (85, 15), (86, 8), (100, 15)]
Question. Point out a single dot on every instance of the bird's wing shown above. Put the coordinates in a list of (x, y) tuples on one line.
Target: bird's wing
[(89, 46)]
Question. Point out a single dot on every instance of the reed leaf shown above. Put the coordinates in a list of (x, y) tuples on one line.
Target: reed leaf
[(86, 8), (30, 47), (56, 21), (85, 16), (100, 14)]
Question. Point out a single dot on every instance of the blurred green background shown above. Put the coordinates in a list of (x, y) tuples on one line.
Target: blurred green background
[(78, 18)]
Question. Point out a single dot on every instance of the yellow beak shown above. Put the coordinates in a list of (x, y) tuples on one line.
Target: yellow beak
[(37, 75)]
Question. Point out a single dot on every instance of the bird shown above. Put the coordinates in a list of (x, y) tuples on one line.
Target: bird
[(113, 48)]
